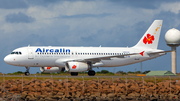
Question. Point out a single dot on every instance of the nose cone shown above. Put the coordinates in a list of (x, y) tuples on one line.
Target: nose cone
[(7, 59)]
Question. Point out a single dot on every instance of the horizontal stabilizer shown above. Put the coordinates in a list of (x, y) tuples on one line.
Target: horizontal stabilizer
[(151, 53)]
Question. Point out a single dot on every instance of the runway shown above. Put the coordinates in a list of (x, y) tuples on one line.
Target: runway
[(57, 76)]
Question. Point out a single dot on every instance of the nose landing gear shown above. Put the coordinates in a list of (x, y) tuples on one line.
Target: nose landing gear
[(27, 71)]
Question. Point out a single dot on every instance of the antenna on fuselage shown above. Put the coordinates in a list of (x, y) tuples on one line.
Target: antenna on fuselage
[(100, 46), (29, 45)]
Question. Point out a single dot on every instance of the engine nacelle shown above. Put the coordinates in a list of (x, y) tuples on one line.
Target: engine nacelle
[(76, 66), (51, 69)]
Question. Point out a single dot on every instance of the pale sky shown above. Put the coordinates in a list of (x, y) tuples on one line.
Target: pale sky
[(109, 23)]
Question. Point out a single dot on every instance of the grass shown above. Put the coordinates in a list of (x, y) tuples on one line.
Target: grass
[(146, 79)]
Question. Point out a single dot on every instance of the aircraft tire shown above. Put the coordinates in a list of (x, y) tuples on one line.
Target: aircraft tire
[(91, 72), (27, 73), (74, 73), (63, 69)]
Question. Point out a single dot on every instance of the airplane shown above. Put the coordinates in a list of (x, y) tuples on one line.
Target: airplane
[(79, 59)]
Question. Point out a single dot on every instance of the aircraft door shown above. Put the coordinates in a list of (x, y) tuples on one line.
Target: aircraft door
[(30, 54)]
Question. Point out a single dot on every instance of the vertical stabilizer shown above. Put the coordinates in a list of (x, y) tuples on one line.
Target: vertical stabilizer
[(151, 38)]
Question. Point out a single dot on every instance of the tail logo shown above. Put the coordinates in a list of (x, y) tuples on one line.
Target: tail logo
[(157, 29), (148, 39)]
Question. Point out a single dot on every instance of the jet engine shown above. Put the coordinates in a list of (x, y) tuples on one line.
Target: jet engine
[(76, 66), (51, 69)]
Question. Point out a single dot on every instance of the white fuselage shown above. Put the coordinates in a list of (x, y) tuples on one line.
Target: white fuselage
[(79, 59), (57, 56)]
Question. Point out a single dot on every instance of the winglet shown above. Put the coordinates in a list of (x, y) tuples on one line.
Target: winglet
[(142, 53)]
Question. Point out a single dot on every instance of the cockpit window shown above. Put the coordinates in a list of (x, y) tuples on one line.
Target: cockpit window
[(16, 53), (12, 52)]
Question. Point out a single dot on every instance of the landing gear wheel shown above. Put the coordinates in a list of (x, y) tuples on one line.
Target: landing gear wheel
[(63, 69), (91, 73), (74, 73), (27, 73)]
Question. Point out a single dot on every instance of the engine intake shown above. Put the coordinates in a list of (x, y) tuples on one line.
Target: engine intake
[(76, 66)]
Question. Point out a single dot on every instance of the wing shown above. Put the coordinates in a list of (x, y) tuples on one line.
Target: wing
[(98, 59), (94, 60)]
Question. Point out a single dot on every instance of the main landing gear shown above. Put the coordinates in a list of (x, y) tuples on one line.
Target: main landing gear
[(74, 73), (91, 72), (27, 71)]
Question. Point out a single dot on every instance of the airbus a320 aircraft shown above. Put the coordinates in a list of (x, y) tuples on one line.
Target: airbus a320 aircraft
[(79, 59)]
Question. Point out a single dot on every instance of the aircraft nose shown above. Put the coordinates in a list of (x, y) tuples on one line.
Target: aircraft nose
[(7, 59)]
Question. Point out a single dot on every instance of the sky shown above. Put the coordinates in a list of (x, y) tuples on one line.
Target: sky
[(109, 23)]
